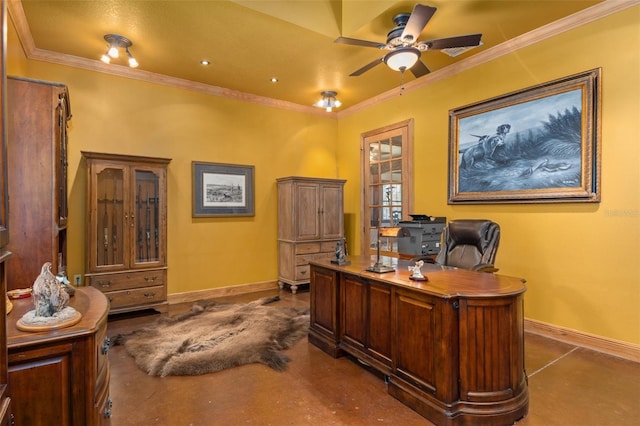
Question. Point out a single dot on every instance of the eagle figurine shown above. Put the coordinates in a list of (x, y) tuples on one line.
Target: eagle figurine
[(49, 297)]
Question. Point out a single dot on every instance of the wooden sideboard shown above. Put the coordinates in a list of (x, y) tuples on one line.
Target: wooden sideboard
[(61, 376), (451, 348)]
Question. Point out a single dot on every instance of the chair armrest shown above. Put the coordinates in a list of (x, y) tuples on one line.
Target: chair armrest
[(485, 267), (425, 259)]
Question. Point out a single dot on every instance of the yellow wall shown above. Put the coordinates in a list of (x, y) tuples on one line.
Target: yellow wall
[(580, 260), (113, 114)]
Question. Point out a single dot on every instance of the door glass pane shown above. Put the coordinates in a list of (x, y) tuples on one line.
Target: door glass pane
[(385, 175), (396, 171), (396, 149), (374, 174), (374, 195), (147, 217), (110, 184)]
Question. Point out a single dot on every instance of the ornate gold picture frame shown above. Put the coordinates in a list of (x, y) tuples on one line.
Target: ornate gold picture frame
[(540, 144)]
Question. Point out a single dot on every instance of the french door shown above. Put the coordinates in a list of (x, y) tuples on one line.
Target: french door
[(387, 192)]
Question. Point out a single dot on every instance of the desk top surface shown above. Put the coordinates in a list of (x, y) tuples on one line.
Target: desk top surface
[(442, 281)]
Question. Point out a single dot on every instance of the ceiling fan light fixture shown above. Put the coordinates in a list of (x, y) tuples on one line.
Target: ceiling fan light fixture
[(402, 59), (117, 42), (328, 101)]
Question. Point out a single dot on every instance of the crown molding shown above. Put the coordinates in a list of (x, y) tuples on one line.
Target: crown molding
[(594, 13), (16, 13)]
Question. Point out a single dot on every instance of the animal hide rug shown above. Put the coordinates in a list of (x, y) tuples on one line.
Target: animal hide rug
[(216, 336)]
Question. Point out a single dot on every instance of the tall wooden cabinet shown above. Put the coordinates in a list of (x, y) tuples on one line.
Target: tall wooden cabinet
[(310, 223), (5, 400), (126, 236), (37, 116)]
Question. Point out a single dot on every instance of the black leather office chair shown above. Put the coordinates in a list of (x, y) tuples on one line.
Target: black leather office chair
[(470, 244)]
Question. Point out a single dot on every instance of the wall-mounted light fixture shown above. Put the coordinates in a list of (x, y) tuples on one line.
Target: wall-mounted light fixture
[(328, 101), (115, 42)]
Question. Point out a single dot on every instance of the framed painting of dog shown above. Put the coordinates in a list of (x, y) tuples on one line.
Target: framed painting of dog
[(540, 144)]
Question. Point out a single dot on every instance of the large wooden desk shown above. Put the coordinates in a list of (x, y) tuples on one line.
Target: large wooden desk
[(451, 348), (61, 376)]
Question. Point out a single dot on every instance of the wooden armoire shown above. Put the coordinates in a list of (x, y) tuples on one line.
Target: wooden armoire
[(37, 116), (310, 224)]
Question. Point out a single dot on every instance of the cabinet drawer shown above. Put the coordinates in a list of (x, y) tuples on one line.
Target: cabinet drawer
[(129, 280), (328, 246), (302, 272), (306, 248), (136, 296)]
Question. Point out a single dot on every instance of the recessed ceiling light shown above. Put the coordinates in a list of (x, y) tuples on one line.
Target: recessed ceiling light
[(274, 79), (204, 62)]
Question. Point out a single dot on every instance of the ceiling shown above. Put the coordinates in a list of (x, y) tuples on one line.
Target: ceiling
[(249, 42)]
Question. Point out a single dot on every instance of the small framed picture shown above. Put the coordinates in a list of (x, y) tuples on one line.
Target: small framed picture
[(221, 190)]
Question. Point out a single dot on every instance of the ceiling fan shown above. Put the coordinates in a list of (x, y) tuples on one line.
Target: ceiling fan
[(403, 44)]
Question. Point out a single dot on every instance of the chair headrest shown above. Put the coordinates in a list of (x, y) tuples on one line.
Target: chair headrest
[(476, 232)]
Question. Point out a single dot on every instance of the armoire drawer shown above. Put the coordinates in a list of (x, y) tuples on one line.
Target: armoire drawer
[(128, 280), (136, 296)]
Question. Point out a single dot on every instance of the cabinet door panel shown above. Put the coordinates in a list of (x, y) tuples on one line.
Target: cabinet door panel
[(416, 339), (307, 224), (490, 365), (380, 321), (46, 383), (323, 301), (331, 212), (353, 314), (110, 224), (109, 216), (150, 214)]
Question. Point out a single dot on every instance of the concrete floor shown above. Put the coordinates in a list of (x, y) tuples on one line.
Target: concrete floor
[(568, 385)]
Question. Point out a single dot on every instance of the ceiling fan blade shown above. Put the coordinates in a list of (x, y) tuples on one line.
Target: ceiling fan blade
[(417, 21), (357, 42), (367, 67), (419, 69), (459, 41)]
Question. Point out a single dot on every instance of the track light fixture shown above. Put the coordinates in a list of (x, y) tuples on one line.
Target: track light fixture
[(118, 42), (328, 101)]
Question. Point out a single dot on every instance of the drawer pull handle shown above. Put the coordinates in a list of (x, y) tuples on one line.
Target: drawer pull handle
[(151, 279), (104, 284), (106, 345), (107, 410), (149, 295)]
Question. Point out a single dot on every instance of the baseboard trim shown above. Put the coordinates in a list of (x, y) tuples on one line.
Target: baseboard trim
[(613, 347), (212, 293)]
